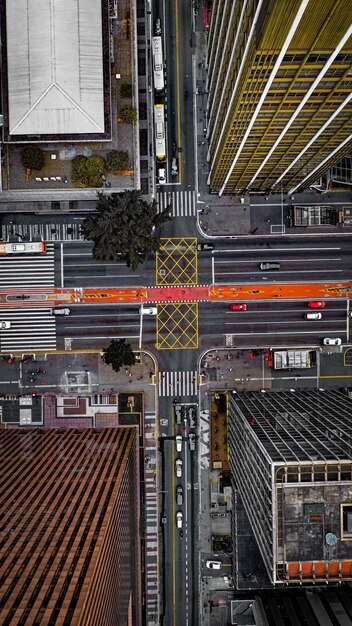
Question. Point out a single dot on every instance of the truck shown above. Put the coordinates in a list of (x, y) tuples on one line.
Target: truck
[(294, 359)]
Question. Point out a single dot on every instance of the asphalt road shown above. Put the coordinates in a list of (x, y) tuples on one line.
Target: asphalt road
[(318, 259), (270, 323), (179, 545), (264, 323)]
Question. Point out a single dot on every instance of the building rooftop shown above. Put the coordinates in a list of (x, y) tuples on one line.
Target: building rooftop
[(55, 67)]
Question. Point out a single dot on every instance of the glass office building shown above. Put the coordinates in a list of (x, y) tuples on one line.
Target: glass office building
[(280, 82)]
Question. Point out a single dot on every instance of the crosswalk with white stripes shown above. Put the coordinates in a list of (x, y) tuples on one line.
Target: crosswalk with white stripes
[(46, 232), (31, 329), (174, 383), (183, 202), (27, 271)]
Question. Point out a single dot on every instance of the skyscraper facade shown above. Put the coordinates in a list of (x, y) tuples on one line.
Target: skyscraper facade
[(291, 458), (69, 527), (280, 90)]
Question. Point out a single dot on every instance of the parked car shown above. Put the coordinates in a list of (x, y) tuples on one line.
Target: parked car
[(162, 176), (158, 26), (269, 266), (178, 465), (174, 167), (192, 441), (65, 311), (316, 304), (5, 325), (238, 307), (329, 341), (313, 316), (213, 564), (148, 310), (179, 519), (178, 413), (191, 414), (205, 246), (179, 495), (178, 440)]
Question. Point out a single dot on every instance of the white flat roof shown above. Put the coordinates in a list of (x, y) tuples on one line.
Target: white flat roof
[(55, 67)]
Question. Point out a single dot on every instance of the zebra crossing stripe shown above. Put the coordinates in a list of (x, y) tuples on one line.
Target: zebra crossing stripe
[(183, 202), (30, 330), (70, 231), (172, 383)]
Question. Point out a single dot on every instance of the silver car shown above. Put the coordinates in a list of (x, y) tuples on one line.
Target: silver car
[(178, 466)]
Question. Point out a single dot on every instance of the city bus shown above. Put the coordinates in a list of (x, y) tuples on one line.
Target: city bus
[(28, 247), (159, 122), (158, 64)]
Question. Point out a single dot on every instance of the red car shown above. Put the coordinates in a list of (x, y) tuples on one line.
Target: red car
[(316, 304), (238, 307)]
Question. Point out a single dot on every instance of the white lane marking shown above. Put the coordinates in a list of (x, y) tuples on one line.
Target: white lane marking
[(79, 337), (288, 332), (62, 265), (297, 271), (301, 321), (303, 260), (272, 250)]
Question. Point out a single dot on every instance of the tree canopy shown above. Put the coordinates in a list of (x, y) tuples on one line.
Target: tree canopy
[(128, 114), (124, 225), (32, 157), (118, 354), (88, 171), (117, 160)]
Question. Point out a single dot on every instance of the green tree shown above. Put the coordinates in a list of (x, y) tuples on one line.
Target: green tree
[(88, 171), (118, 354), (32, 157), (124, 224), (117, 160), (126, 90), (128, 114)]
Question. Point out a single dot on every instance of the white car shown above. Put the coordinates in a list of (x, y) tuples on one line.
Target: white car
[(148, 310), (174, 167), (328, 341), (178, 465), (5, 325), (65, 311), (162, 176), (192, 441), (178, 440), (213, 564), (179, 519)]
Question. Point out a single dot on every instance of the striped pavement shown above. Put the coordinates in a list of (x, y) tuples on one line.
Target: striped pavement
[(27, 270), (31, 329), (152, 581), (46, 232), (183, 202), (174, 383)]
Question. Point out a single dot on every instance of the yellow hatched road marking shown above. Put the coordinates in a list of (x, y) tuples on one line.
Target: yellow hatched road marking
[(177, 326)]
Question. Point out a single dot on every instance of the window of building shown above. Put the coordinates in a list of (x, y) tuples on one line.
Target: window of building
[(346, 530)]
